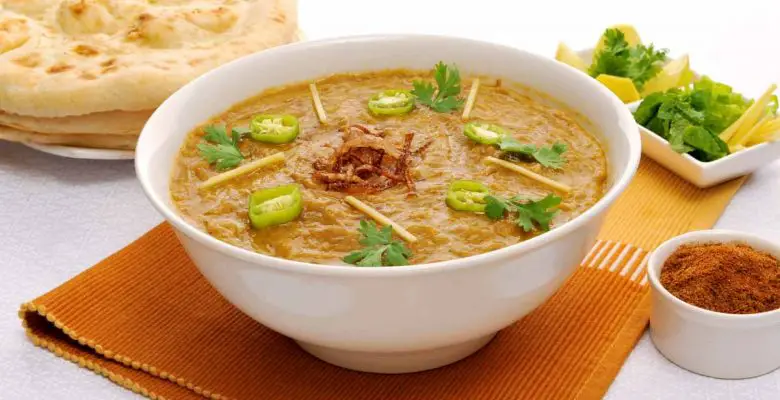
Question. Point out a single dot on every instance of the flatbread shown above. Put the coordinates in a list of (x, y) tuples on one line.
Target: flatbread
[(74, 57), (123, 142), (107, 123)]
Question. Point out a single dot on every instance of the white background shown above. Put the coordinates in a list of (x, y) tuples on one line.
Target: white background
[(59, 216)]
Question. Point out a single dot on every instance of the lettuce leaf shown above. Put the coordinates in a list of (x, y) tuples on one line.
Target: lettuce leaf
[(690, 119), (722, 106)]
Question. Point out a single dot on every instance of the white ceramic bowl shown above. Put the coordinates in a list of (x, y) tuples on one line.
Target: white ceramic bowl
[(388, 319), (727, 346)]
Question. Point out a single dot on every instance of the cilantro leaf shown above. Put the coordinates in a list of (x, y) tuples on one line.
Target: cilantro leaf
[(510, 144), (223, 156), (397, 254), (443, 98), (424, 92), (380, 248), (532, 214), (614, 57), (216, 134), (224, 152), (646, 62), (355, 256), (495, 207), (549, 157), (372, 235), (447, 104), (639, 63), (373, 258), (448, 79)]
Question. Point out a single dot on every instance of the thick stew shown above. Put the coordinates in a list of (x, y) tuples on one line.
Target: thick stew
[(438, 160)]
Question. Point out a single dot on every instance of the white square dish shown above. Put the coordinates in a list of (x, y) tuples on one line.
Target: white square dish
[(706, 174), (701, 174)]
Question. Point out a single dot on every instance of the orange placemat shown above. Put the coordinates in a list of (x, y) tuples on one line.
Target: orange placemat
[(146, 319)]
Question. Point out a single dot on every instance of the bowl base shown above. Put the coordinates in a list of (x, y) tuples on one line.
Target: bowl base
[(397, 363)]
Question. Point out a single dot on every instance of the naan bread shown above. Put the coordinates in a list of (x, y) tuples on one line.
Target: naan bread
[(123, 142), (74, 57), (106, 123)]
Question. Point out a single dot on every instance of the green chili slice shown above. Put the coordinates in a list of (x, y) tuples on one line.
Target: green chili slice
[(275, 206), (465, 195), (391, 102), (276, 129), (484, 133)]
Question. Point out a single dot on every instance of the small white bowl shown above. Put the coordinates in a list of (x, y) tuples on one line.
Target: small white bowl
[(719, 345), (706, 174)]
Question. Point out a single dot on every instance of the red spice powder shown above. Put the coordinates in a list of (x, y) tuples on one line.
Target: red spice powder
[(725, 277)]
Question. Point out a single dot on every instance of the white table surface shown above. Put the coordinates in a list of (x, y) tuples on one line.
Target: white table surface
[(59, 216)]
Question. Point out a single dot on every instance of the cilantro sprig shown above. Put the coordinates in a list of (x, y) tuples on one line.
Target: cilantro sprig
[(224, 152), (444, 98), (379, 248), (529, 214), (550, 157), (639, 63)]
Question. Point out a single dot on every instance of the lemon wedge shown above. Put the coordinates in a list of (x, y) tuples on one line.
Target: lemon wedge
[(675, 74), (569, 57), (632, 37), (624, 88)]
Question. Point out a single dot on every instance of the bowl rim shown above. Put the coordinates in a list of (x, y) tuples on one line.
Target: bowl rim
[(144, 151), (655, 264)]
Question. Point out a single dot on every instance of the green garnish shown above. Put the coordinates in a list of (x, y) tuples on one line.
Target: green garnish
[(549, 157), (484, 133), (690, 119), (466, 195), (391, 102), (379, 248), (446, 97), (639, 63), (224, 152), (530, 214), (275, 206), (274, 128)]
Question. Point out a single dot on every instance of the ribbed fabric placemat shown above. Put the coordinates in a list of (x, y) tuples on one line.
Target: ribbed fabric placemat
[(146, 319)]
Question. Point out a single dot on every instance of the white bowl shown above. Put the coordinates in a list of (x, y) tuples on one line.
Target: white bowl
[(387, 319), (727, 346)]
